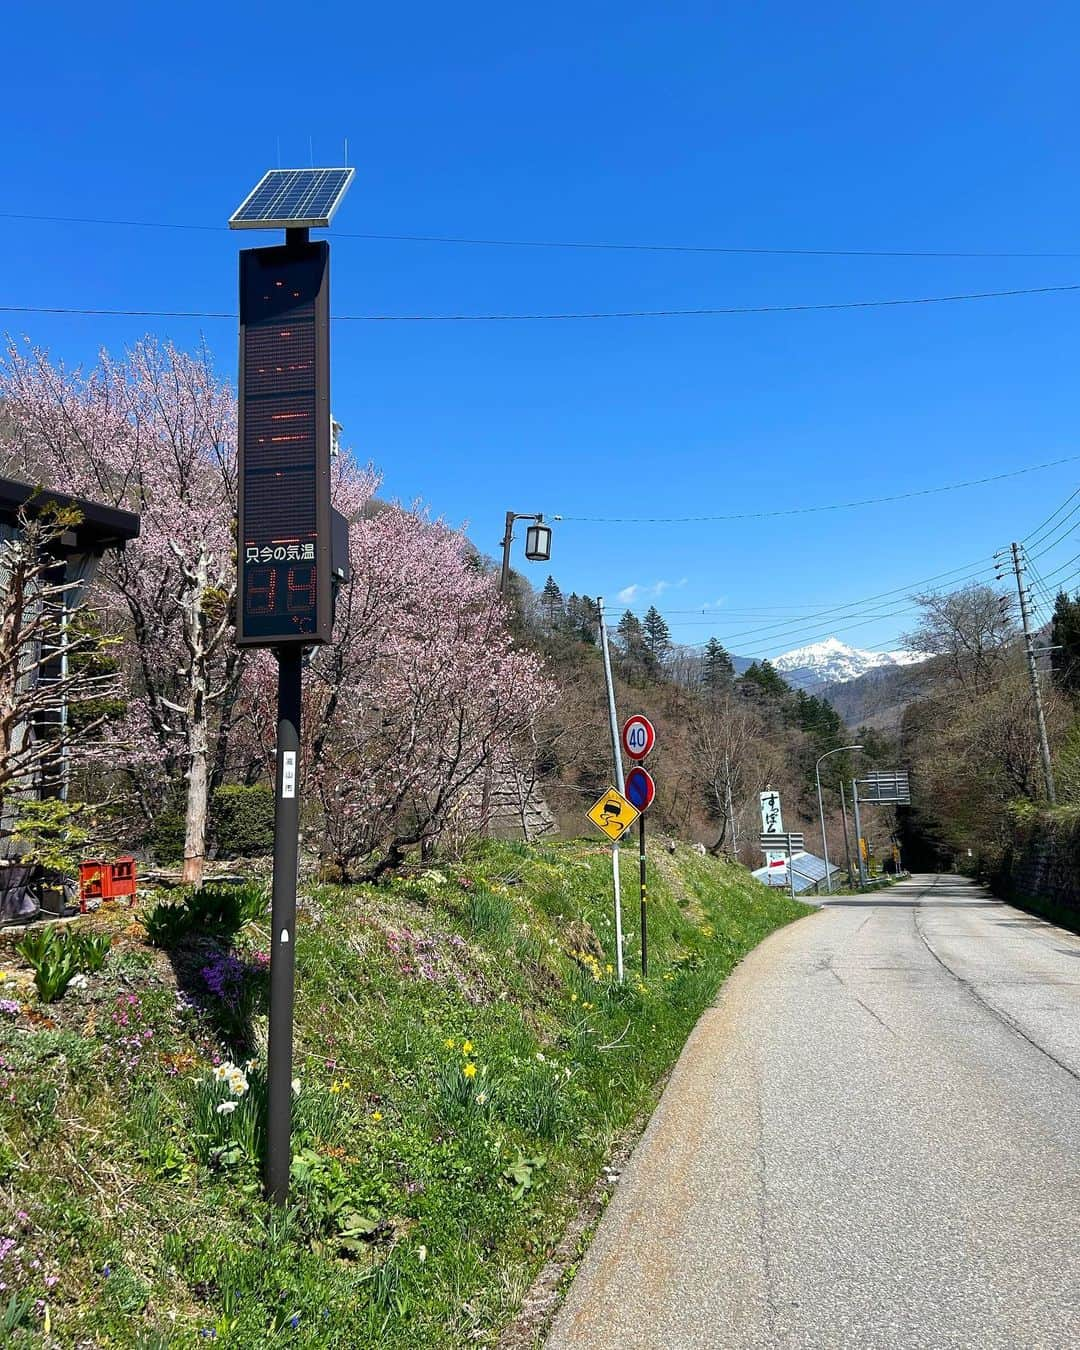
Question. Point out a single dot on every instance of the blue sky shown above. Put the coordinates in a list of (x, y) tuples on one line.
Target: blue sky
[(778, 125)]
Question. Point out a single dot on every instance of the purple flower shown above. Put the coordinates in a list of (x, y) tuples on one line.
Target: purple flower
[(294, 1321), (9, 1006)]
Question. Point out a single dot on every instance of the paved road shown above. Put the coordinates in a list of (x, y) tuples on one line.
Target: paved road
[(873, 1140)]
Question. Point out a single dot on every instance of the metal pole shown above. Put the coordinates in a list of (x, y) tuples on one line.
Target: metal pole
[(1033, 672), (283, 926), (821, 813), (730, 808), (791, 867), (644, 918), (507, 540), (839, 750), (847, 841), (620, 781), (858, 832)]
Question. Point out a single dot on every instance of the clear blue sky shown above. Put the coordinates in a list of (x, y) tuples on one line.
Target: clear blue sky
[(776, 125)]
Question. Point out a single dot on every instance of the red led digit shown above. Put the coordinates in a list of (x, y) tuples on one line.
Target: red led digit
[(302, 593), (261, 590)]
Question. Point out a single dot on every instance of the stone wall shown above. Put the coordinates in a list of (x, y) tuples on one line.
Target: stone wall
[(1043, 863)]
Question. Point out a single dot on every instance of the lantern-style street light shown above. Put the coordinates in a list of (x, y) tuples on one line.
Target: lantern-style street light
[(821, 808), (537, 543)]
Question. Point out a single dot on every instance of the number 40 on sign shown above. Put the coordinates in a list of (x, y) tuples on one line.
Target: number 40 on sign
[(638, 736)]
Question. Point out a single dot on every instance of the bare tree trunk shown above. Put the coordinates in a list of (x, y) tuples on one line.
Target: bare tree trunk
[(197, 803)]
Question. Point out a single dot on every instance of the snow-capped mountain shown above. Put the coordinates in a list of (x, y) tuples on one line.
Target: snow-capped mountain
[(834, 662)]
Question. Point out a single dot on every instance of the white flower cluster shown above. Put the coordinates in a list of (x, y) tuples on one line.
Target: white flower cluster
[(235, 1077)]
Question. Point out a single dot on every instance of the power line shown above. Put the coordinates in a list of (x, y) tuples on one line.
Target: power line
[(832, 506), (1030, 540), (571, 315), (591, 245), (794, 632)]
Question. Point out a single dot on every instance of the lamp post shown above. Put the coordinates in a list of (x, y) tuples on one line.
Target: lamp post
[(537, 543), (537, 549), (821, 806)]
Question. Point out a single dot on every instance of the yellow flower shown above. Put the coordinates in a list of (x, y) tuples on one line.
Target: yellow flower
[(466, 1047), (450, 1042), (376, 1116), (573, 998), (335, 1086), (345, 1083), (469, 1070), (609, 967)]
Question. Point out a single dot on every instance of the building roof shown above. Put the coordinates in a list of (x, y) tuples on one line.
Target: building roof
[(101, 526)]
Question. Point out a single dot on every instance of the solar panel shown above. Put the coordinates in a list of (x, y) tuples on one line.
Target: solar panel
[(809, 869), (292, 199)]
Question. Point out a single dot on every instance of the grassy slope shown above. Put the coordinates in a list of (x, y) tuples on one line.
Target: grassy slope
[(425, 1199)]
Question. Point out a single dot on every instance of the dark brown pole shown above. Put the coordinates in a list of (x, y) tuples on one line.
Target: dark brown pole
[(644, 908)]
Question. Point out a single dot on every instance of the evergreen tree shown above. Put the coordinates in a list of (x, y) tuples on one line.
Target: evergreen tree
[(635, 652), (717, 671), (656, 634), (1065, 638), (551, 605), (763, 678)]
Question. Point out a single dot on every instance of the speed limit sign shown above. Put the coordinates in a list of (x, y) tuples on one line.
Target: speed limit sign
[(638, 736)]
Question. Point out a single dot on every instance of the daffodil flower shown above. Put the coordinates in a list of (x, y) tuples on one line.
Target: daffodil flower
[(469, 1070)]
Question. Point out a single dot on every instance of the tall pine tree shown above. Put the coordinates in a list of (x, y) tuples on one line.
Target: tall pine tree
[(717, 671), (1065, 639), (657, 635), (551, 605)]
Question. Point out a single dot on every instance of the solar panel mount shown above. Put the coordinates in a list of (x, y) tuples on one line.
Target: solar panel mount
[(292, 199)]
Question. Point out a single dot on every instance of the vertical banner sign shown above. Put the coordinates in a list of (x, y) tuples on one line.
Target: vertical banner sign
[(772, 820), (283, 543)]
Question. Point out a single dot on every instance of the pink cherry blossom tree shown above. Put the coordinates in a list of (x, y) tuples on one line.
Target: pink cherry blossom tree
[(155, 433)]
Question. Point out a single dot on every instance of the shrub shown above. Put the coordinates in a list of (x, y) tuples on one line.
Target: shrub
[(56, 958), (242, 821), (216, 909)]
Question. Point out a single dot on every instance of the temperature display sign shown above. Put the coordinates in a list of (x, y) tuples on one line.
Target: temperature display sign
[(283, 539)]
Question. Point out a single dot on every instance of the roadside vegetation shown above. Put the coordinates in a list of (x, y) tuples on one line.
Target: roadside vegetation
[(465, 1062)]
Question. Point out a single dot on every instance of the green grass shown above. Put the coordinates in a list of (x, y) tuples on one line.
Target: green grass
[(465, 1063)]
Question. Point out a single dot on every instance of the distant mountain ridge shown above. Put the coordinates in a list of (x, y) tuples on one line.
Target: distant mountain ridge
[(835, 662)]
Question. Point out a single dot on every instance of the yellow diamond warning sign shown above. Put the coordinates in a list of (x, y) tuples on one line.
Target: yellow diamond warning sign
[(613, 813)]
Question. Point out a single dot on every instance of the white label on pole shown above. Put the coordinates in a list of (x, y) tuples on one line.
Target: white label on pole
[(288, 774), (284, 935), (772, 822)]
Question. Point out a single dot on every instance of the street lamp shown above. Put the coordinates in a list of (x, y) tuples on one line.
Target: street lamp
[(821, 806), (537, 543)]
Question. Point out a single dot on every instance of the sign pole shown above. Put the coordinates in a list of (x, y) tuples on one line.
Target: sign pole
[(791, 868), (847, 841), (283, 925), (644, 912), (858, 832), (620, 782)]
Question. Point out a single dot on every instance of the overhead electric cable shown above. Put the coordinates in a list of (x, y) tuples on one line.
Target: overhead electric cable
[(574, 244), (561, 316), (1030, 540), (832, 506)]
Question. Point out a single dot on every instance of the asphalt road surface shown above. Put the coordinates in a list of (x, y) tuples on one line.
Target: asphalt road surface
[(873, 1140)]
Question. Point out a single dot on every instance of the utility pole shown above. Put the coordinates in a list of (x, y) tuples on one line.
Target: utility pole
[(847, 840), (730, 809), (1033, 673), (620, 781)]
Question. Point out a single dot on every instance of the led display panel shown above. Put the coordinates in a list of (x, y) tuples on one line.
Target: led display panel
[(283, 539)]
